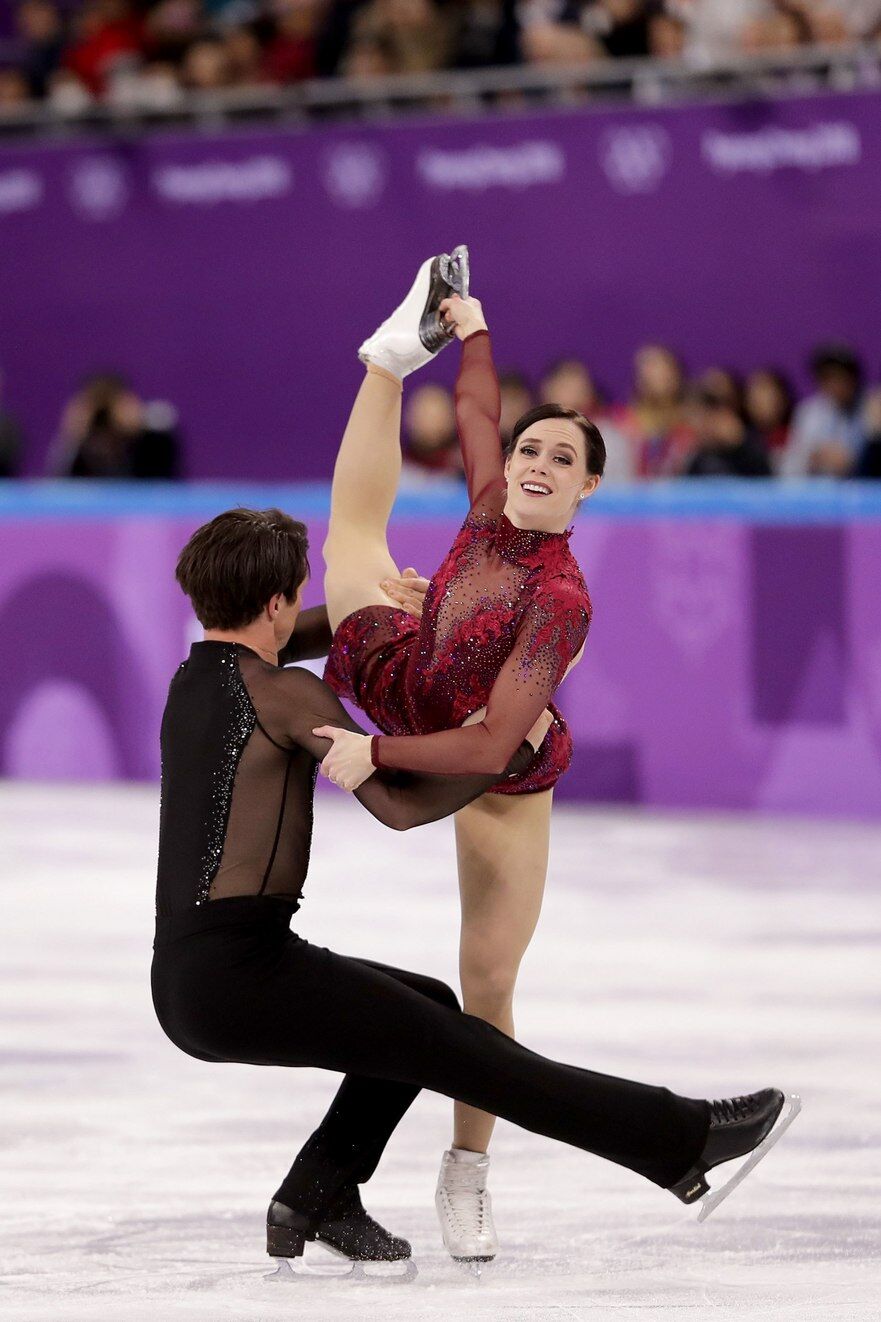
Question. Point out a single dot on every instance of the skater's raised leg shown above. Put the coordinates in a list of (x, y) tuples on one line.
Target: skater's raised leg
[(368, 465)]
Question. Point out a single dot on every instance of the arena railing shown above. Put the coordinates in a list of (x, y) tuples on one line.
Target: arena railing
[(457, 92)]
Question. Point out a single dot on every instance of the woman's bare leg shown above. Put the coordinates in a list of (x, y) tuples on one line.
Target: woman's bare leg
[(502, 846), (365, 483)]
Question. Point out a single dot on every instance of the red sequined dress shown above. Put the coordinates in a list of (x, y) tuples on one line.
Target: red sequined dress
[(505, 614)]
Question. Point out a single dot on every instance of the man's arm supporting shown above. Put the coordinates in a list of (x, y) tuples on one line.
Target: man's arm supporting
[(398, 799)]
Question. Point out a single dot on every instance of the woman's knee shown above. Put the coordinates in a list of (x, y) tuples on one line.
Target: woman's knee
[(489, 983)]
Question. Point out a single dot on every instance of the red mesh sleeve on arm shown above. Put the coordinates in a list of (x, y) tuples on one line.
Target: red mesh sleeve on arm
[(478, 412)]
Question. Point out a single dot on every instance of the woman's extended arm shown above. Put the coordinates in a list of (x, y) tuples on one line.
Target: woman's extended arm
[(478, 403)]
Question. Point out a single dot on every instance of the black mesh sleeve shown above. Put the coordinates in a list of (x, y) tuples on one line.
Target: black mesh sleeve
[(291, 703)]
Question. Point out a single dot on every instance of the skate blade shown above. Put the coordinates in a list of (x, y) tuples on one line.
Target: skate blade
[(711, 1200), (456, 270), (473, 1266), (345, 1269)]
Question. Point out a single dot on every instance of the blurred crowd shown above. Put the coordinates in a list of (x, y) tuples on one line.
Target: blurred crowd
[(148, 53), (106, 430), (717, 424)]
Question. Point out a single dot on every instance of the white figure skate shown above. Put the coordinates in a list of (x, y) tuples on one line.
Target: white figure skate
[(414, 332), (464, 1208)]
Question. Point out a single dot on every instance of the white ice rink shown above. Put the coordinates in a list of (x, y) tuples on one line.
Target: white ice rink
[(713, 954)]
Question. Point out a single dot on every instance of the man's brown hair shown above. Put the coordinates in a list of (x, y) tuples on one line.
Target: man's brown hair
[(232, 566)]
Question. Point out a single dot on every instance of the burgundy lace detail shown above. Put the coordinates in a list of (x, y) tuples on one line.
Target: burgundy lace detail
[(506, 612)]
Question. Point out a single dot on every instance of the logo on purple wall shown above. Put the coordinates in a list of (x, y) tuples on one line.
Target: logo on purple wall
[(474, 169), (20, 190), (207, 183), (817, 147), (98, 188), (635, 158), (693, 568), (355, 174)]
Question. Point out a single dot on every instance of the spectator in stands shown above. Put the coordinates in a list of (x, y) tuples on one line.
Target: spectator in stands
[(107, 431), (41, 32), (517, 399), (10, 439), (430, 440), (667, 36), (724, 445), (484, 34), (567, 32), (108, 35), (784, 29), (569, 383), (869, 462), (828, 430), (15, 94), (547, 38), (768, 405), (292, 51), (654, 422), (417, 32), (206, 66), (725, 384), (67, 93), (172, 26), (368, 57), (244, 55)]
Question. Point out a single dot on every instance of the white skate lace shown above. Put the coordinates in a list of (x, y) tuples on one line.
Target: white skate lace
[(466, 1202)]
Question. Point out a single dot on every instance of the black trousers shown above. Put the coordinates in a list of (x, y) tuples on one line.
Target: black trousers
[(231, 982)]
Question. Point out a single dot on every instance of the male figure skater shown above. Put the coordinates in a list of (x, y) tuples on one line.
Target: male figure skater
[(231, 982)]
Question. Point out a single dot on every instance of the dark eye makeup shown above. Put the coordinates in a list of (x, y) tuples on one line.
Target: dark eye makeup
[(561, 458)]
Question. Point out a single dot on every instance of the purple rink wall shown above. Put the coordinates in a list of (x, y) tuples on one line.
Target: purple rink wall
[(734, 659), (235, 274)]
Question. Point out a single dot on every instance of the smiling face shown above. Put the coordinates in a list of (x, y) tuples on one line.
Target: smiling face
[(547, 475)]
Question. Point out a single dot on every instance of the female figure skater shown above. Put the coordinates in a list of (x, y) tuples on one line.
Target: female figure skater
[(504, 619)]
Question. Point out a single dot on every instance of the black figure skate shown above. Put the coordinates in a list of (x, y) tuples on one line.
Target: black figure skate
[(739, 1127), (347, 1232), (415, 332)]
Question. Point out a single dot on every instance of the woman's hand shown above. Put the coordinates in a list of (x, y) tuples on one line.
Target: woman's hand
[(348, 763), (408, 591), (464, 316)]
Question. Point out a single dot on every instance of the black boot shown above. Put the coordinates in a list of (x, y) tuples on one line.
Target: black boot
[(737, 1126), (450, 274), (346, 1229), (286, 1231)]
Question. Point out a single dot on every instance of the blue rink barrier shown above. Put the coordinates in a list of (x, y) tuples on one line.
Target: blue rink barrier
[(759, 501), (733, 660)]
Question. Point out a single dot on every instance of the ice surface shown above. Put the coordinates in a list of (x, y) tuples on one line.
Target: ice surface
[(714, 954)]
